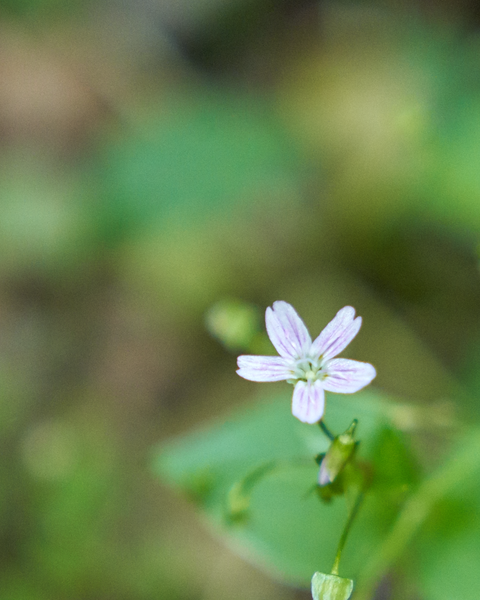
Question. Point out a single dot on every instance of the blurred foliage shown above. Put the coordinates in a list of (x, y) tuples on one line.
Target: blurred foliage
[(201, 159), (157, 158), (287, 528), (235, 324)]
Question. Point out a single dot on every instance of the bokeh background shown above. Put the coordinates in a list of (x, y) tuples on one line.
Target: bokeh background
[(160, 156)]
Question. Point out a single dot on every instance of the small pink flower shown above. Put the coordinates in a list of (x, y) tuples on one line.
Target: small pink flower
[(310, 366)]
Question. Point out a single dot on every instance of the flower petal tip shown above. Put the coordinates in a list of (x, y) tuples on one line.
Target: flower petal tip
[(287, 331), (347, 376)]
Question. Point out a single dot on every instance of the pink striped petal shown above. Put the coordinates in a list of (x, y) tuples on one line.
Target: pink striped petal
[(324, 475), (337, 334), (287, 331), (347, 376), (264, 368), (308, 402)]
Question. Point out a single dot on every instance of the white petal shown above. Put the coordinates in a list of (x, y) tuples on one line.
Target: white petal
[(287, 331), (308, 402), (337, 334), (347, 376), (323, 475), (264, 368)]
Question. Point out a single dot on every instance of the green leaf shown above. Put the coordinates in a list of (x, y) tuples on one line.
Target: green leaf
[(287, 529)]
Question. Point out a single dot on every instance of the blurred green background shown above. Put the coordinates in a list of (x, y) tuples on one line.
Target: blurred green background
[(159, 156)]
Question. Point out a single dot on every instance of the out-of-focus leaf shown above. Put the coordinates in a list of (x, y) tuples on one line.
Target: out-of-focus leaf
[(448, 549), (453, 185), (396, 465), (36, 8), (45, 226), (16, 585), (394, 114), (288, 529), (196, 161)]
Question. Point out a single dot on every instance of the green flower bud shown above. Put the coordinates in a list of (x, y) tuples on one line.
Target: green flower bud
[(340, 452), (331, 587), (234, 323)]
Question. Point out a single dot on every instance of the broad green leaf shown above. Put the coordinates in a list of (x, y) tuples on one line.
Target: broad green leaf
[(285, 527)]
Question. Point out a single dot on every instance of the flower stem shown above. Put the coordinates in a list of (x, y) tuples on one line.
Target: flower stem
[(326, 430), (346, 531)]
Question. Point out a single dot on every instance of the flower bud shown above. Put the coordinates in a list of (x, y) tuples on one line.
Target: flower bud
[(340, 452), (331, 587), (234, 323)]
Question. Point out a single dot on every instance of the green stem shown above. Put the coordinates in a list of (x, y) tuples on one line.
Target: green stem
[(326, 430), (346, 531)]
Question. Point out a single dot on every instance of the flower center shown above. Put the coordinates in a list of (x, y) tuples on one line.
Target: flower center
[(309, 370)]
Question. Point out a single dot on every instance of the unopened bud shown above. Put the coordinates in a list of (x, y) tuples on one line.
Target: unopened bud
[(234, 323), (331, 587), (337, 456)]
